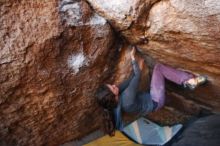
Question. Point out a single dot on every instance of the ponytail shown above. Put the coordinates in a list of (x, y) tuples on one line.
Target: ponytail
[(108, 122), (106, 99)]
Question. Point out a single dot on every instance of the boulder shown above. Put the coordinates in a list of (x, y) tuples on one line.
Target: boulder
[(121, 13), (55, 54), (203, 131), (182, 34), (53, 57)]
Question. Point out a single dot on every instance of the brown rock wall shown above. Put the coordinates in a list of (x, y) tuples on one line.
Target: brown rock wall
[(51, 62)]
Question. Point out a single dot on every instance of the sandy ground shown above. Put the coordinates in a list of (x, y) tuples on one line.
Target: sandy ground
[(92, 136)]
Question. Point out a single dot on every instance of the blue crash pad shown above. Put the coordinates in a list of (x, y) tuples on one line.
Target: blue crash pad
[(143, 131)]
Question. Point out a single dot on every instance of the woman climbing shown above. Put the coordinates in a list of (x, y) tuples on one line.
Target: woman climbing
[(126, 97)]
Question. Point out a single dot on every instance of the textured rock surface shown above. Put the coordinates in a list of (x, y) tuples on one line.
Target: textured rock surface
[(204, 131), (54, 54), (121, 13), (183, 34), (52, 58)]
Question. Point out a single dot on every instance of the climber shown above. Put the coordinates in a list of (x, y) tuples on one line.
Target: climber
[(126, 97)]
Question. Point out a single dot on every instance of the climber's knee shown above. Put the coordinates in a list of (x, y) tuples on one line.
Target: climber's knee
[(157, 66)]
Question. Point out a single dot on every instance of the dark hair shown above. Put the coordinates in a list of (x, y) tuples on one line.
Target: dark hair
[(106, 99)]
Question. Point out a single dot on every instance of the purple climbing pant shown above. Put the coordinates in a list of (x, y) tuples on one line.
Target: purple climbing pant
[(160, 73)]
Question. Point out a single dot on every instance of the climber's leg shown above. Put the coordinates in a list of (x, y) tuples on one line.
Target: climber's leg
[(161, 72)]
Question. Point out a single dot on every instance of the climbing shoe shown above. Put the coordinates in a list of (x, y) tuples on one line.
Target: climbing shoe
[(199, 80)]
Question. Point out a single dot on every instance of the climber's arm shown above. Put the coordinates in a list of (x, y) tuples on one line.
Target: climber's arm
[(135, 71), (125, 83)]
